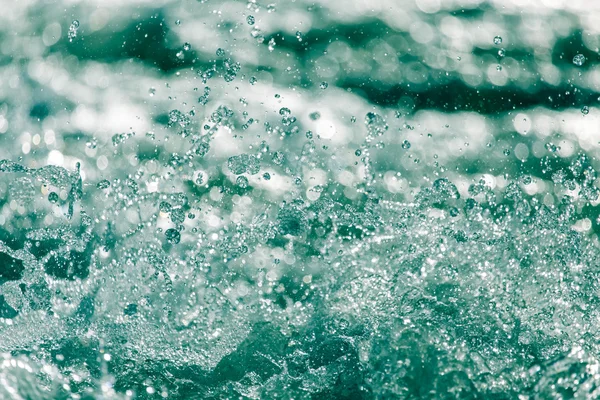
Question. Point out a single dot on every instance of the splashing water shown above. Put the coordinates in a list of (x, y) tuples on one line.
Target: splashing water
[(338, 208)]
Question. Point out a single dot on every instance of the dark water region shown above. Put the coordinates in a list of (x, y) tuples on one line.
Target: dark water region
[(385, 199)]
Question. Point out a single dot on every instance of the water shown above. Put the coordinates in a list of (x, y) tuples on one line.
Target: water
[(308, 200)]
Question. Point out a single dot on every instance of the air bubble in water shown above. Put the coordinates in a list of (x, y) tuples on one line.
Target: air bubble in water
[(324, 85), (151, 92), (585, 110), (498, 40), (103, 184), (501, 53), (579, 60), (220, 52), (406, 144), (250, 19), (187, 46)]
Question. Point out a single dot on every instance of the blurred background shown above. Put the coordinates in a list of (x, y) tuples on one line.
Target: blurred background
[(187, 183)]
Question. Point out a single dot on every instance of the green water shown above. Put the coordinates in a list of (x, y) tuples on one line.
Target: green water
[(299, 200)]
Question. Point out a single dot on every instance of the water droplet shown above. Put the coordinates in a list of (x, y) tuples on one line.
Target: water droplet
[(406, 144), (220, 52), (498, 40), (103, 184), (72, 34), (243, 163), (250, 20), (53, 197), (187, 46), (579, 60), (358, 153), (501, 53), (284, 111), (267, 176), (376, 124), (585, 110), (173, 236), (178, 22), (324, 85), (165, 207), (242, 181)]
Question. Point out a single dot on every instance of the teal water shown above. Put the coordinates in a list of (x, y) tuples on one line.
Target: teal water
[(299, 200)]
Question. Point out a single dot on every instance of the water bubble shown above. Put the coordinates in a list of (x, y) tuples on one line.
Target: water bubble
[(551, 147), (278, 158), (499, 68), (501, 53), (497, 40), (103, 184), (53, 197), (292, 221), (165, 207), (250, 20), (579, 60), (376, 124), (152, 91), (506, 152), (243, 163), (173, 236), (358, 153), (406, 144), (585, 110), (177, 216), (299, 36), (220, 52), (187, 46), (178, 22), (324, 85), (315, 115), (284, 111), (272, 44), (253, 80), (72, 34), (242, 181), (267, 176)]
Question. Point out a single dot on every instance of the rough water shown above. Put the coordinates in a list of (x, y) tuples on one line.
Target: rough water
[(299, 199)]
